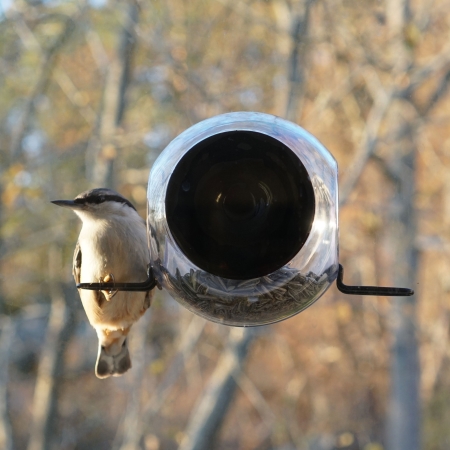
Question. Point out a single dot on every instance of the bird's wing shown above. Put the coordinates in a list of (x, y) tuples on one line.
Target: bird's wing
[(148, 299), (98, 295), (77, 263)]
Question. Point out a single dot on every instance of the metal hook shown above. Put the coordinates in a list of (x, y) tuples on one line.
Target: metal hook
[(144, 286), (370, 290)]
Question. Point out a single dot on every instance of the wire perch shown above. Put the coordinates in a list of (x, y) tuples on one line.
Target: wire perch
[(370, 290), (150, 283), (143, 286)]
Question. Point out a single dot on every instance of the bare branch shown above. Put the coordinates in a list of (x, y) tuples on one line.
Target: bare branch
[(367, 146), (297, 61), (188, 341), (6, 340), (257, 399), (422, 74), (60, 327), (132, 421), (437, 94), (44, 73), (208, 414), (102, 151)]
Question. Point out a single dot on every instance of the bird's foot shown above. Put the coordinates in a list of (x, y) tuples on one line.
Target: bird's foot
[(111, 293)]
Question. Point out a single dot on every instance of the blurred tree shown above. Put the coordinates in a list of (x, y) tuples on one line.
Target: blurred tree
[(404, 414), (208, 415), (6, 339), (103, 150), (93, 90), (60, 328)]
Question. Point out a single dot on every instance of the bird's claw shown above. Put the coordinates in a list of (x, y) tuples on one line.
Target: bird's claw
[(109, 278)]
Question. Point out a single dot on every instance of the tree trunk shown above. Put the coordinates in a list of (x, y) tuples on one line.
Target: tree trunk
[(102, 151), (60, 327), (297, 60), (6, 340), (132, 419), (404, 404), (207, 416), (403, 428)]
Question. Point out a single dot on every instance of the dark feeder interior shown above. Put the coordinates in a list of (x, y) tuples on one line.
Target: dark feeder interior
[(240, 205)]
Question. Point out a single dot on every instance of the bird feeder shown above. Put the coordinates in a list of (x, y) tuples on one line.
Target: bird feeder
[(243, 220)]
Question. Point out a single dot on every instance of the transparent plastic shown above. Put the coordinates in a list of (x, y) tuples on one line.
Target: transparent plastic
[(274, 296)]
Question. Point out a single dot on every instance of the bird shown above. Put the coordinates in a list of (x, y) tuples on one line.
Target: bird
[(112, 247)]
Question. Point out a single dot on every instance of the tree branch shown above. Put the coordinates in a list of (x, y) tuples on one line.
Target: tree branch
[(102, 151), (44, 73), (296, 64), (188, 341), (61, 326), (367, 146), (6, 339), (208, 414)]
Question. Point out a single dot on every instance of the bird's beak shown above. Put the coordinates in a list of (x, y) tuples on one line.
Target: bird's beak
[(68, 204)]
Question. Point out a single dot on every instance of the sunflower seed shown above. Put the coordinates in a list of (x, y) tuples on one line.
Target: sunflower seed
[(269, 298)]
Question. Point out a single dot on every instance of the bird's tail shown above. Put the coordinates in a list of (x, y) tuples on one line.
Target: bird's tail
[(112, 362)]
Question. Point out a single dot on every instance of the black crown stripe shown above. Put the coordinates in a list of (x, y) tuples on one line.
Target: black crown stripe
[(97, 199)]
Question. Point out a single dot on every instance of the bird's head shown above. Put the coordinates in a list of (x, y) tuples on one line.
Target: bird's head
[(100, 203)]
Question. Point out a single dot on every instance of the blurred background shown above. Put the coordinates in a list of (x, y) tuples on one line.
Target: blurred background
[(93, 90)]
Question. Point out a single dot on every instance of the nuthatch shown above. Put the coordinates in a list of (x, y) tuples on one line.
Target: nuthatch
[(112, 247)]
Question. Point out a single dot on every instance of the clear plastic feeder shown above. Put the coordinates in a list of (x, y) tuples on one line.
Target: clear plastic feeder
[(243, 219)]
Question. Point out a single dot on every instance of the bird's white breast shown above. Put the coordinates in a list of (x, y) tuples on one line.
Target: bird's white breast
[(119, 247), (116, 246)]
